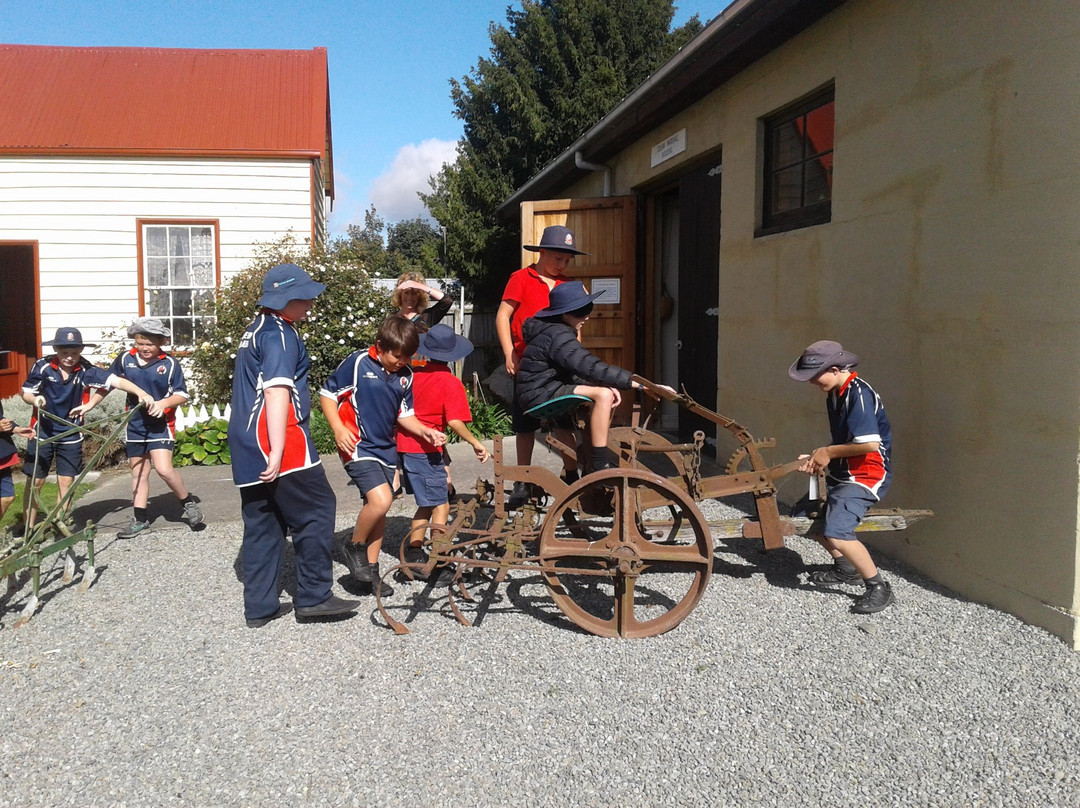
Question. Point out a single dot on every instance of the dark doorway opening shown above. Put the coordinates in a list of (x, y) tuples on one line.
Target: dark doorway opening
[(19, 339)]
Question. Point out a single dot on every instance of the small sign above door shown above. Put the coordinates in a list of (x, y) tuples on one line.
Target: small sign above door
[(666, 149)]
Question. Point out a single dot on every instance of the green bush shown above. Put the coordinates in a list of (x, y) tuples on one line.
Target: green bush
[(203, 444), (488, 419), (321, 433), (344, 319)]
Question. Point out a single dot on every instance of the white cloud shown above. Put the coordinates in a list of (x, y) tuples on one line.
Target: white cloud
[(393, 193)]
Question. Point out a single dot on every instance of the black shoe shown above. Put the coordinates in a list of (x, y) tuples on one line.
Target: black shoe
[(877, 597), (569, 476), (370, 577), (333, 605), (442, 577), (415, 555), (834, 575), (518, 496), (259, 622), (355, 557)]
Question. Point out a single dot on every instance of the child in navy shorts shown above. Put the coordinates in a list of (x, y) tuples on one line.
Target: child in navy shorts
[(364, 400), (440, 402), (59, 384), (859, 467), (151, 439)]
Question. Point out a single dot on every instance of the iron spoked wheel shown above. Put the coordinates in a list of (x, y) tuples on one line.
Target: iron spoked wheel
[(635, 569)]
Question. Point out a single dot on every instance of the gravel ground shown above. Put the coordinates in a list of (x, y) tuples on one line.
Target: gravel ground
[(149, 690)]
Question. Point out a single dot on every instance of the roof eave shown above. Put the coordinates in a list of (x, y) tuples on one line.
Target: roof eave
[(743, 33)]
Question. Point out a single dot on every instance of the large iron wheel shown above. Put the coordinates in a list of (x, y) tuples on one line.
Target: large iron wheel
[(631, 558)]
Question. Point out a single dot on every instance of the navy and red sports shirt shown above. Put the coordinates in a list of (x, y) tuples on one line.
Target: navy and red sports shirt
[(370, 400), (161, 378), (271, 354), (857, 415), (62, 395)]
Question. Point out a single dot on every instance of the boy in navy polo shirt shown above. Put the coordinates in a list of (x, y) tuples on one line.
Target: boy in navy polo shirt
[(274, 462), (9, 458), (858, 463), (364, 400), (59, 384), (151, 439)]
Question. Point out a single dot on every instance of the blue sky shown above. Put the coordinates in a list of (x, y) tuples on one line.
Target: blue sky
[(390, 66)]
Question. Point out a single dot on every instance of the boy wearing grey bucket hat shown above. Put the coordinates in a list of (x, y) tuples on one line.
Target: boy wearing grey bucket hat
[(858, 462)]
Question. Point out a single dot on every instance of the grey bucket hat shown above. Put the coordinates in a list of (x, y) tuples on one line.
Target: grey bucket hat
[(148, 325), (820, 356)]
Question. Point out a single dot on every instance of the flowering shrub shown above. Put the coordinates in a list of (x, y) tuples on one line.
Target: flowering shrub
[(345, 317)]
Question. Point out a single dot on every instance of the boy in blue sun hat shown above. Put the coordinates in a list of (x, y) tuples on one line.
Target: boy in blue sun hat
[(859, 466), (274, 463)]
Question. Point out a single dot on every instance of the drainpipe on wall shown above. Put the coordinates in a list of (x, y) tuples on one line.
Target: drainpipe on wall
[(581, 162)]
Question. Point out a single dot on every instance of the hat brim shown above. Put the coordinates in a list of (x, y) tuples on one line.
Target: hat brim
[(52, 343), (539, 247), (278, 298), (844, 359), (580, 303), (462, 348)]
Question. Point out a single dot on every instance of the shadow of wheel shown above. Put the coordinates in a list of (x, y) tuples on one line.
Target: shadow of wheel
[(625, 554)]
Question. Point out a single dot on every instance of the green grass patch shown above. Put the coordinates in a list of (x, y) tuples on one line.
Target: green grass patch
[(48, 494)]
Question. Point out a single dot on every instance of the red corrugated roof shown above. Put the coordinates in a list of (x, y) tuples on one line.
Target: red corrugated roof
[(146, 101)]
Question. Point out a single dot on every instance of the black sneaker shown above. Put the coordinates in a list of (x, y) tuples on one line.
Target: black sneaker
[(355, 557), (877, 597), (369, 576), (569, 476), (834, 575), (414, 554)]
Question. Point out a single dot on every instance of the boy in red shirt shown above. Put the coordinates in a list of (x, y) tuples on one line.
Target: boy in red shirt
[(439, 402), (525, 294)]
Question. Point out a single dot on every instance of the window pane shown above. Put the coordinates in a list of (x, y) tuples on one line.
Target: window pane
[(203, 301), (179, 241), (159, 304), (183, 332), (202, 272), (819, 129), (818, 180), (181, 271), (786, 190), (157, 271), (787, 144), (202, 242), (181, 302), (156, 243)]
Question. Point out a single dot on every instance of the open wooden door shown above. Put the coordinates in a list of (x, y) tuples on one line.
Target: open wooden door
[(605, 228), (20, 342)]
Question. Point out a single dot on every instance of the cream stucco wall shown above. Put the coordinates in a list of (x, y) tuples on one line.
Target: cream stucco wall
[(951, 265)]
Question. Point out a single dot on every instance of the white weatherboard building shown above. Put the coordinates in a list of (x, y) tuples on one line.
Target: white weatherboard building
[(133, 181)]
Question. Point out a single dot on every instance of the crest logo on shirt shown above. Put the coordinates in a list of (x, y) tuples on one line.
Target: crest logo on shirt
[(404, 383), (161, 370)]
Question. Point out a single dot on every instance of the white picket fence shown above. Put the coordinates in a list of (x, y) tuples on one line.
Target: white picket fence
[(186, 416)]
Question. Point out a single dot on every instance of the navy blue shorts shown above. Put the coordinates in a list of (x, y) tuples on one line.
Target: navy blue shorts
[(368, 475), (138, 448), (69, 461), (425, 478), (847, 505), (7, 484)]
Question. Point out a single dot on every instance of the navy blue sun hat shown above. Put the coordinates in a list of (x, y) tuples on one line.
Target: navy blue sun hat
[(442, 344), (567, 297), (287, 282), (556, 237), (820, 356), (69, 338)]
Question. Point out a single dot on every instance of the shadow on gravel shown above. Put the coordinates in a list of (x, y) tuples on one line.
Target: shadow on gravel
[(12, 602), (109, 514)]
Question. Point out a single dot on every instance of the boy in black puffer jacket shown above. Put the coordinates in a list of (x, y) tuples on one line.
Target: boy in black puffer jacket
[(556, 364)]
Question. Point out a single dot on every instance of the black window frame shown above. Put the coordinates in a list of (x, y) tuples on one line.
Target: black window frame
[(805, 215)]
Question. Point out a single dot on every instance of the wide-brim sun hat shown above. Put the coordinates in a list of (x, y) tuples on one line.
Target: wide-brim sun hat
[(820, 356), (442, 344), (150, 326), (68, 338), (287, 282), (557, 237), (567, 297)]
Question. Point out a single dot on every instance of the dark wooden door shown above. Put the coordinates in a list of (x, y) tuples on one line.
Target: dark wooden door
[(18, 327), (699, 289)]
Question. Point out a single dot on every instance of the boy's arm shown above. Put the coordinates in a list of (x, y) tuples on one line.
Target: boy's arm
[(462, 431), (277, 410), (502, 329), (346, 441), (820, 457), (96, 398), (412, 425)]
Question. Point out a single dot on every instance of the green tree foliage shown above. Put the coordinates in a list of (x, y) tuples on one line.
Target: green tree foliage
[(417, 245), (345, 317), (555, 69)]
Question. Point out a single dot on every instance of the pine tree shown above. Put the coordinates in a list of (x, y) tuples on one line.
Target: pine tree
[(555, 69)]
